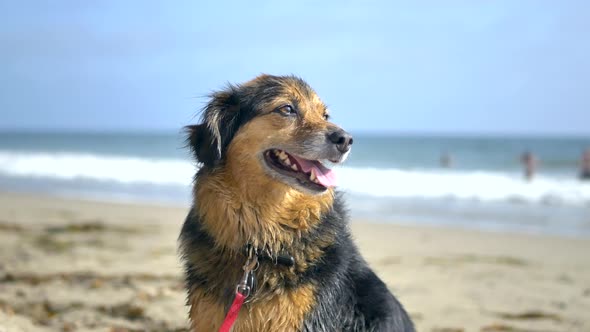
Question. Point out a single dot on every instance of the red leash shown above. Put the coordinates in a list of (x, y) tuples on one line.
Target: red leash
[(243, 289), (233, 312)]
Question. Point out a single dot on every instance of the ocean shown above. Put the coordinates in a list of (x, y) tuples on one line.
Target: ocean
[(387, 178)]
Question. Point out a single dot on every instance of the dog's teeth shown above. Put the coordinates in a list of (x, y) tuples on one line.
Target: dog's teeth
[(276, 152), (283, 155), (287, 162), (312, 176), (294, 167)]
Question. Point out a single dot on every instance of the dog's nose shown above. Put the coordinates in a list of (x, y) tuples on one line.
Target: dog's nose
[(342, 139)]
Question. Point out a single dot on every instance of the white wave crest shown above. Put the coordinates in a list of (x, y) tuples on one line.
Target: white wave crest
[(103, 168), (478, 185)]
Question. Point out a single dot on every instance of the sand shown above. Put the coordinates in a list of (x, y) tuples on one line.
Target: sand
[(71, 265)]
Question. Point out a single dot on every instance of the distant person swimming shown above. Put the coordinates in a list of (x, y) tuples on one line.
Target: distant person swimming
[(530, 164), (585, 165), (446, 160)]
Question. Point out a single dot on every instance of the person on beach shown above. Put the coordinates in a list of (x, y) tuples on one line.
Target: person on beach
[(530, 164), (585, 165), (446, 161)]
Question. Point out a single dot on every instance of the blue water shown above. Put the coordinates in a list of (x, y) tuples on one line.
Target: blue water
[(387, 178), (558, 154)]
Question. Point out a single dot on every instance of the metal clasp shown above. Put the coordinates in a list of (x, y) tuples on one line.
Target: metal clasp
[(247, 283)]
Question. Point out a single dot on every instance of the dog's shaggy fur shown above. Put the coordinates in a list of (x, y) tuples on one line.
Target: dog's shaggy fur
[(243, 196)]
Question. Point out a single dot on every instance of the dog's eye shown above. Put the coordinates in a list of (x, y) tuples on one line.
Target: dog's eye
[(286, 110), (326, 116)]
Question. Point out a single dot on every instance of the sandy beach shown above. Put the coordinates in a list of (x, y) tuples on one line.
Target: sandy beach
[(71, 265)]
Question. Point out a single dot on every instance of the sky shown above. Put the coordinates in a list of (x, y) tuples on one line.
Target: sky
[(450, 67)]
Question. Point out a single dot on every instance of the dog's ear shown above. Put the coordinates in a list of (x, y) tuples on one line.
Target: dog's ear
[(201, 143), (210, 139)]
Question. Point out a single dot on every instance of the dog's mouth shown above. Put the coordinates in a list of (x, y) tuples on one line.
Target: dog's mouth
[(311, 174)]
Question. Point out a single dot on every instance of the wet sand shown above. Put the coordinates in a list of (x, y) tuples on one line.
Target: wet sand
[(70, 265)]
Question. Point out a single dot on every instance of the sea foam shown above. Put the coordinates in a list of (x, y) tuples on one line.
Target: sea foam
[(96, 167), (397, 183)]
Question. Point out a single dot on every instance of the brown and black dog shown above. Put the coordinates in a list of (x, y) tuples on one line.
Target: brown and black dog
[(263, 193)]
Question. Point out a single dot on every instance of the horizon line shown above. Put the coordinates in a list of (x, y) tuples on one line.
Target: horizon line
[(365, 132)]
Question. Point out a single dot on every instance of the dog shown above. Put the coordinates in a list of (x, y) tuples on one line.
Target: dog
[(267, 222)]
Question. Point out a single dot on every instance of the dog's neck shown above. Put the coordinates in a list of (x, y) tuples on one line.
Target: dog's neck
[(262, 212)]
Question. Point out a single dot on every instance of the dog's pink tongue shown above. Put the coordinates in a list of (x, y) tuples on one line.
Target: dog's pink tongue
[(324, 175)]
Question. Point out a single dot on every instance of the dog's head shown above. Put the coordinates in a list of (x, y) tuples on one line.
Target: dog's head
[(271, 130)]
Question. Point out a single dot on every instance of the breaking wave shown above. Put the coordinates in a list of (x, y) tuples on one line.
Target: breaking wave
[(398, 183)]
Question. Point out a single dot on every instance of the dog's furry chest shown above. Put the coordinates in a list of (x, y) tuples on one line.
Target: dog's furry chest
[(283, 311), (284, 295), (279, 303)]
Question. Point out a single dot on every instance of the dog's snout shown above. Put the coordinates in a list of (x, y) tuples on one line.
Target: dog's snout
[(342, 139)]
